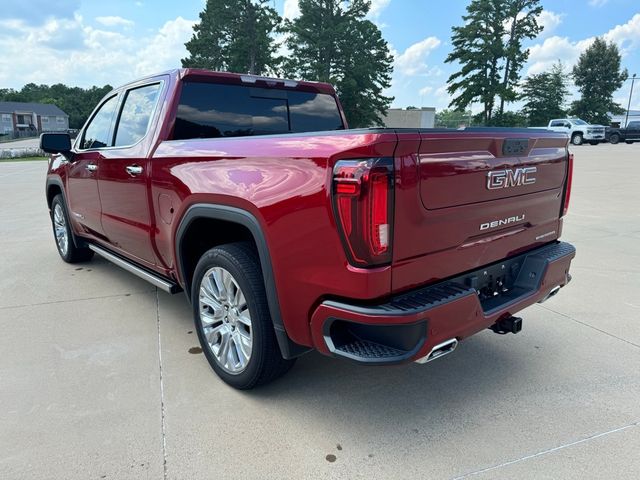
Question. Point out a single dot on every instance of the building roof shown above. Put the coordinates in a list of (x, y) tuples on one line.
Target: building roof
[(45, 109)]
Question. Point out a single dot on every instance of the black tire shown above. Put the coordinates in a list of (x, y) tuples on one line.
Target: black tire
[(628, 142), (576, 139), (614, 138), (265, 362), (70, 253)]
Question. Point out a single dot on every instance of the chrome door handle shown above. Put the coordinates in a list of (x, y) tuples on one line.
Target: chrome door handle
[(133, 169), (92, 167)]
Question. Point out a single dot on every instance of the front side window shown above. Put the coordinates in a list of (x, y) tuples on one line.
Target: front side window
[(96, 134), (210, 110), (136, 114)]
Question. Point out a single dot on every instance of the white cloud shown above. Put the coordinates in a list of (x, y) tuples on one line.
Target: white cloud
[(377, 6), (543, 55), (626, 36), (425, 91), (550, 21), (413, 60), (115, 21), (92, 56), (291, 9)]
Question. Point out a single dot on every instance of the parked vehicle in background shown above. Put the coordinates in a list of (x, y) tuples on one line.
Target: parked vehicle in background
[(578, 130), (288, 232), (629, 134)]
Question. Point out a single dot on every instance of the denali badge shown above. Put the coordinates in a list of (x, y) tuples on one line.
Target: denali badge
[(511, 177), (504, 221)]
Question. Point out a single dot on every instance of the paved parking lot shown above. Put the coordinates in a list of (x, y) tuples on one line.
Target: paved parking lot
[(97, 379)]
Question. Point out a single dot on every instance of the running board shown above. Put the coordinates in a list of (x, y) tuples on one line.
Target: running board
[(160, 282)]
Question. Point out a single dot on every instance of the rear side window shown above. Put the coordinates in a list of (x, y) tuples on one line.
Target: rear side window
[(96, 135), (633, 125), (136, 114), (209, 110)]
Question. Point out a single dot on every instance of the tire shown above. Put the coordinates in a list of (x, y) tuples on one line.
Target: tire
[(63, 235), (614, 138), (628, 142), (576, 139), (229, 301)]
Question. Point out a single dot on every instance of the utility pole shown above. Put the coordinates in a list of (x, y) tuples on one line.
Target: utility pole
[(626, 120)]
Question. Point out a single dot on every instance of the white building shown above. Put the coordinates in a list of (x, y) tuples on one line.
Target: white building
[(424, 117)]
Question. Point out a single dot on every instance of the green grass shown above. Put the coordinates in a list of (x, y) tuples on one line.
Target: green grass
[(23, 159)]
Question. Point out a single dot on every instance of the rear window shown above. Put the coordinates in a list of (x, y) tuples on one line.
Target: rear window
[(209, 110)]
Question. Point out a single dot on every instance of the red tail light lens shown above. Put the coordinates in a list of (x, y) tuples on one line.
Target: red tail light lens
[(567, 188), (363, 203)]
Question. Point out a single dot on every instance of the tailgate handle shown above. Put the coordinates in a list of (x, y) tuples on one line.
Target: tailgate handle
[(515, 146)]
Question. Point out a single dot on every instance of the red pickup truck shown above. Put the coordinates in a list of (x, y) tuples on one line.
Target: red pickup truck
[(288, 232)]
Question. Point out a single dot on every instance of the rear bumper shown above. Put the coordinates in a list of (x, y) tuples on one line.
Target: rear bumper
[(409, 325)]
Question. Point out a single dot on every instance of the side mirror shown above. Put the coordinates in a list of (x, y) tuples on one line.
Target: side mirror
[(55, 142)]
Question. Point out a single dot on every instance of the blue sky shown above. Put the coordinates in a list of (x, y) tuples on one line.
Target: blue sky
[(90, 42)]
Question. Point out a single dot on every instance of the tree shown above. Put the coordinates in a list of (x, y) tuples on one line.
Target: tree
[(332, 41), (236, 36), (598, 75), (478, 47), (488, 47), (522, 17), (545, 95)]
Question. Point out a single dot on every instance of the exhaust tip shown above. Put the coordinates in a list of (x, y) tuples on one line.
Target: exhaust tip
[(552, 293), (439, 350)]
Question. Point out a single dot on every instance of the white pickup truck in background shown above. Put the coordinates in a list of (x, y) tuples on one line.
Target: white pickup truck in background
[(578, 130)]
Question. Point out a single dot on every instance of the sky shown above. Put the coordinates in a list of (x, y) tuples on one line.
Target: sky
[(90, 42)]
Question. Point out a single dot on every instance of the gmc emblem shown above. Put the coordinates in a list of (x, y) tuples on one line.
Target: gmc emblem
[(511, 177)]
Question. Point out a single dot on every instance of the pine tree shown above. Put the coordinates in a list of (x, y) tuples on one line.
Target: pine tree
[(489, 49), (522, 18), (598, 74), (545, 95), (332, 41), (236, 36), (478, 47)]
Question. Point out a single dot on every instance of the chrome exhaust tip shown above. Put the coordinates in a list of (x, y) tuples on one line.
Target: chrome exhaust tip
[(439, 350), (552, 293)]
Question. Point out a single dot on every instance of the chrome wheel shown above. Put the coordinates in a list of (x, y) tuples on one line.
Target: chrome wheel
[(225, 320), (60, 229)]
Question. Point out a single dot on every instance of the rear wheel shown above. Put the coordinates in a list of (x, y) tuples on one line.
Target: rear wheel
[(614, 138), (232, 317), (628, 142), (576, 139), (67, 249)]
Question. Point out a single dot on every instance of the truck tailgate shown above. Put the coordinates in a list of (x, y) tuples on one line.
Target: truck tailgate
[(469, 198)]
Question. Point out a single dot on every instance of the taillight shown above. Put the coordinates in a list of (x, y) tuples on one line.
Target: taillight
[(567, 188), (363, 203)]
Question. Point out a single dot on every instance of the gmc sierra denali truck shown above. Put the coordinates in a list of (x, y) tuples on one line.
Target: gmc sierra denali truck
[(288, 232)]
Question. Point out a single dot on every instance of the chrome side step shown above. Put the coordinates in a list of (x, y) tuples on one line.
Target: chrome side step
[(162, 283), (440, 350)]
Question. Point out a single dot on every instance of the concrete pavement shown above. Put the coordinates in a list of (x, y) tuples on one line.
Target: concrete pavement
[(97, 379)]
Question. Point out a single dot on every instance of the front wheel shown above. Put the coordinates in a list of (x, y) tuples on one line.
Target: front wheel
[(614, 138), (67, 249), (576, 139), (232, 317)]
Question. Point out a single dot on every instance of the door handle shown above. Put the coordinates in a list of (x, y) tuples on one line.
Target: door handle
[(133, 169), (92, 167)]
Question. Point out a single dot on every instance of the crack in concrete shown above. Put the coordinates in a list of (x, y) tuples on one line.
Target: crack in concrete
[(547, 451), (590, 326), (162, 408), (54, 302)]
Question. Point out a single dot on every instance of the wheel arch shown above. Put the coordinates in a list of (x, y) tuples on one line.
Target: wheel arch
[(244, 226)]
